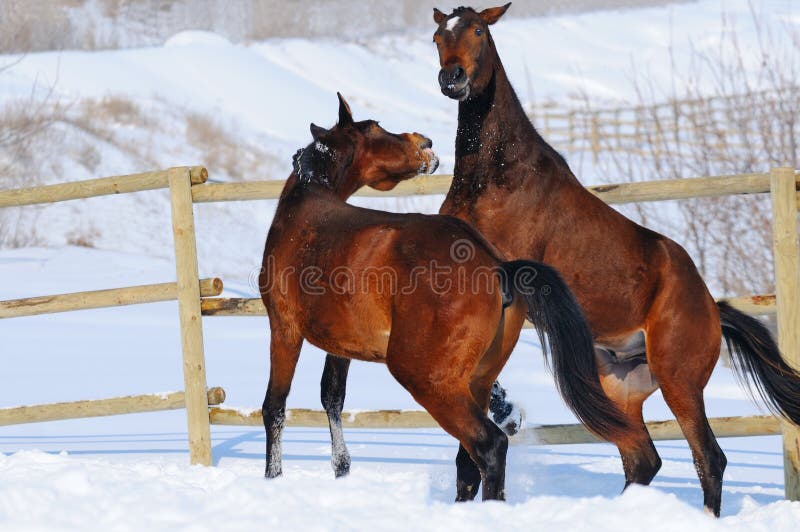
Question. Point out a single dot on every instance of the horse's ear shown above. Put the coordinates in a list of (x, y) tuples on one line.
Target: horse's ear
[(345, 114), (493, 14), (438, 16), (318, 132)]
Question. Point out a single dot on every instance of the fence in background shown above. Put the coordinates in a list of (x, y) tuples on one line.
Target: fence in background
[(188, 185), (721, 123)]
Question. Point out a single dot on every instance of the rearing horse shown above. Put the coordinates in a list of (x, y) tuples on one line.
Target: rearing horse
[(444, 321), (654, 321)]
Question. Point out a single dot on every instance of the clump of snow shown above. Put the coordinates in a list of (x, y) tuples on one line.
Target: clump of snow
[(196, 38)]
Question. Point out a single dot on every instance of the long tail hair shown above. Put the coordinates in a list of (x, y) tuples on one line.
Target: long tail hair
[(567, 344), (756, 359)]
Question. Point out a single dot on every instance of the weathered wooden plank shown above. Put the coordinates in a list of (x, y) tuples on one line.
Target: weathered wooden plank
[(95, 187), (115, 297), (723, 427), (786, 254), (131, 404), (661, 190), (242, 306), (191, 323)]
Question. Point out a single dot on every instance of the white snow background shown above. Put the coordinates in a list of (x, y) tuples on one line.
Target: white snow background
[(131, 472)]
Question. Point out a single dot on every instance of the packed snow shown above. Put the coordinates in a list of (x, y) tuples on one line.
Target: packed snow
[(131, 472)]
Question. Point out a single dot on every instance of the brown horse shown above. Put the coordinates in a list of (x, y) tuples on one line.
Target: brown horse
[(654, 321), (426, 295)]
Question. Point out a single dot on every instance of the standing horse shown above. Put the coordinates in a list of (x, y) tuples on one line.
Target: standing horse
[(446, 323), (654, 321)]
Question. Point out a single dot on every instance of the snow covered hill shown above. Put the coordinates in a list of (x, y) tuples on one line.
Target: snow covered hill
[(242, 110)]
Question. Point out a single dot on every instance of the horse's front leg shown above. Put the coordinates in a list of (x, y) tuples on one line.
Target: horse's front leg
[(284, 352), (332, 392)]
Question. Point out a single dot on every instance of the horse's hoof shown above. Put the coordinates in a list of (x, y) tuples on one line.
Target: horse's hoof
[(273, 472), (341, 470), (465, 492)]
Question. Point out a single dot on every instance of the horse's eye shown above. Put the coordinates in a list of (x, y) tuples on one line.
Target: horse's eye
[(478, 31)]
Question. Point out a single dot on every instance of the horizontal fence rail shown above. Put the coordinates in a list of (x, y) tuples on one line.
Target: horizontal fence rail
[(242, 306), (723, 427), (130, 404), (662, 190), (104, 186), (114, 297)]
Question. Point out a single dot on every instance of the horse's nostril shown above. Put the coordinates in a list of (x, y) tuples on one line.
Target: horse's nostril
[(442, 77), (458, 73), (426, 143)]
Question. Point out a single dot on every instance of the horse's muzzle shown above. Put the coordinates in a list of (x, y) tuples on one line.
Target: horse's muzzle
[(454, 82)]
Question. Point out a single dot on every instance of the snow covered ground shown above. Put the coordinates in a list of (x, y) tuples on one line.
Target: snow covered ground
[(131, 472)]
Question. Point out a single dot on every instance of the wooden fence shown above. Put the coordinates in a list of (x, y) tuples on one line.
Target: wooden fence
[(720, 123), (196, 298)]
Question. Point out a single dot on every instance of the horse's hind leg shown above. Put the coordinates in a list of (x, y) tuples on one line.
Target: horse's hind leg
[(709, 460), (284, 352), (628, 383), (640, 460), (682, 380), (454, 408), (332, 390)]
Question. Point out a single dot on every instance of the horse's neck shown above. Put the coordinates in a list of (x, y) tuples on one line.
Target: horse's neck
[(493, 134), (302, 200), (491, 118), (325, 171)]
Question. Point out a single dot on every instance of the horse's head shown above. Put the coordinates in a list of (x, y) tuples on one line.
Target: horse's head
[(354, 154), (466, 49)]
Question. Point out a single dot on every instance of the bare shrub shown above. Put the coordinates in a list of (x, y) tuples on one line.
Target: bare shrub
[(24, 124), (735, 111), (224, 151), (84, 237)]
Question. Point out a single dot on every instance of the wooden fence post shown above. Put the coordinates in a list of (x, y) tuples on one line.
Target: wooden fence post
[(787, 292), (194, 371)]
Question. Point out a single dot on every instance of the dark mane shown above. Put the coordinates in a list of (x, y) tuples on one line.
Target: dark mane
[(311, 164)]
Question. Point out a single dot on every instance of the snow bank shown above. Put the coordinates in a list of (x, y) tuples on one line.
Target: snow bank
[(53, 492)]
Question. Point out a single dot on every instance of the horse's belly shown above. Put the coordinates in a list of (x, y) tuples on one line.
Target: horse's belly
[(349, 327), (368, 349)]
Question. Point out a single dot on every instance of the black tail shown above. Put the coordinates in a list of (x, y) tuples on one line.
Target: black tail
[(756, 359), (567, 344)]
